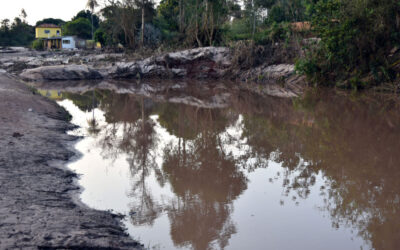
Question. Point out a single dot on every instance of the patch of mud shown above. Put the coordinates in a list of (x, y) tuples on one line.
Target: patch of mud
[(39, 207)]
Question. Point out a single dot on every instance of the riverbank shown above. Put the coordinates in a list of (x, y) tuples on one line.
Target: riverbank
[(39, 205), (268, 72)]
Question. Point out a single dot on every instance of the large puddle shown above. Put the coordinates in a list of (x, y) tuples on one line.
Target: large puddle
[(322, 172)]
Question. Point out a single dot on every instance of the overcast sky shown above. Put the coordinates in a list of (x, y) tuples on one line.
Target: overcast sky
[(39, 9)]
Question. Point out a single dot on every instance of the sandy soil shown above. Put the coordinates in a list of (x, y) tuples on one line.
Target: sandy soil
[(37, 207)]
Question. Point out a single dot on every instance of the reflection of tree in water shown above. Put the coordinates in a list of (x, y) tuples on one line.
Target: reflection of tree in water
[(86, 101), (204, 178), (355, 144), (129, 115), (93, 123), (141, 143), (202, 175)]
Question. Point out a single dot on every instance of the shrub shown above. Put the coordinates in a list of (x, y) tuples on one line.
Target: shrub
[(100, 36), (37, 44), (276, 32), (356, 37), (237, 30), (152, 35)]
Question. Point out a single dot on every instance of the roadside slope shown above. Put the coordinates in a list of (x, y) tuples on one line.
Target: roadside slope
[(36, 203)]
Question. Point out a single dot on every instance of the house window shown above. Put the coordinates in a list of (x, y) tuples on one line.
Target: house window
[(58, 32), (47, 31), (66, 42)]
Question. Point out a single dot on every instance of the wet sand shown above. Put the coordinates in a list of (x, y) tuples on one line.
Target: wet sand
[(39, 207)]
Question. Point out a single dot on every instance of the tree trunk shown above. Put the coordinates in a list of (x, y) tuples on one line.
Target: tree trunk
[(142, 35), (212, 25), (254, 18), (180, 16), (92, 26), (197, 24)]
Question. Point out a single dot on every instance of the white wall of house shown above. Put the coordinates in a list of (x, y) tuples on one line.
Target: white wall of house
[(68, 42)]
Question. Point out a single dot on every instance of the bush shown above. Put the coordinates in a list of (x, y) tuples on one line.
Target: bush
[(356, 38), (237, 30), (37, 44), (152, 35), (90, 44), (100, 36), (276, 32)]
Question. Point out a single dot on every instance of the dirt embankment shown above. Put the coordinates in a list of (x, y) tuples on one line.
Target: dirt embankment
[(267, 72), (37, 207)]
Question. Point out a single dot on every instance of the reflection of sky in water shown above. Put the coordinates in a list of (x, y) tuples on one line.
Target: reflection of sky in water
[(263, 216)]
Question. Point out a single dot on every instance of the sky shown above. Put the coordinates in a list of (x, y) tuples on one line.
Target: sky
[(40, 9)]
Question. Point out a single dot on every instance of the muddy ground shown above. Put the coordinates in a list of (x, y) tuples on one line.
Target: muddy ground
[(39, 208)]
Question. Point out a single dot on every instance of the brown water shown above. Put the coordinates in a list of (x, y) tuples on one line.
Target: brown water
[(322, 172)]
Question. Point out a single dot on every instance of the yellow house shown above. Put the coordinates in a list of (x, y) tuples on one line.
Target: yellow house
[(50, 34)]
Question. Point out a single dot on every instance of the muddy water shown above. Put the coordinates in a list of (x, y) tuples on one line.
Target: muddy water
[(321, 172)]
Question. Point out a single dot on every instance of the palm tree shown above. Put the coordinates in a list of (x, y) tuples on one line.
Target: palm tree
[(91, 4)]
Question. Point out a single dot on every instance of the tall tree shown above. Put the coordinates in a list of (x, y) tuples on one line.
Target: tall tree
[(23, 15), (181, 15), (142, 34), (92, 4)]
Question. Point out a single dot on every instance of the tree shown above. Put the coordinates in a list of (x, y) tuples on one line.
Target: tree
[(111, 24), (19, 33), (142, 33), (58, 22), (128, 21), (356, 39), (125, 22), (100, 36), (79, 27), (23, 15), (92, 4), (88, 15)]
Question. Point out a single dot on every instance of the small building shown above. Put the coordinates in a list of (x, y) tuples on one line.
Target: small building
[(50, 34), (73, 42), (68, 42)]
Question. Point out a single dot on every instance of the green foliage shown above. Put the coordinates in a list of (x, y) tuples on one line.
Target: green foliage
[(122, 20), (272, 33), (195, 22), (55, 21), (113, 33), (356, 37), (80, 27), (238, 29), (19, 33), (167, 21), (88, 15), (277, 14), (100, 36), (168, 15), (276, 32), (290, 11), (37, 44), (201, 22)]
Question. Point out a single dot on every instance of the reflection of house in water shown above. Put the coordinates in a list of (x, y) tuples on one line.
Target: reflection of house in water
[(52, 94)]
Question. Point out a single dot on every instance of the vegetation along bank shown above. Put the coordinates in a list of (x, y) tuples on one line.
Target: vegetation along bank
[(340, 43)]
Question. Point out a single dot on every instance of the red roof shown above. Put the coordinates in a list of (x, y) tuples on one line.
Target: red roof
[(48, 25)]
